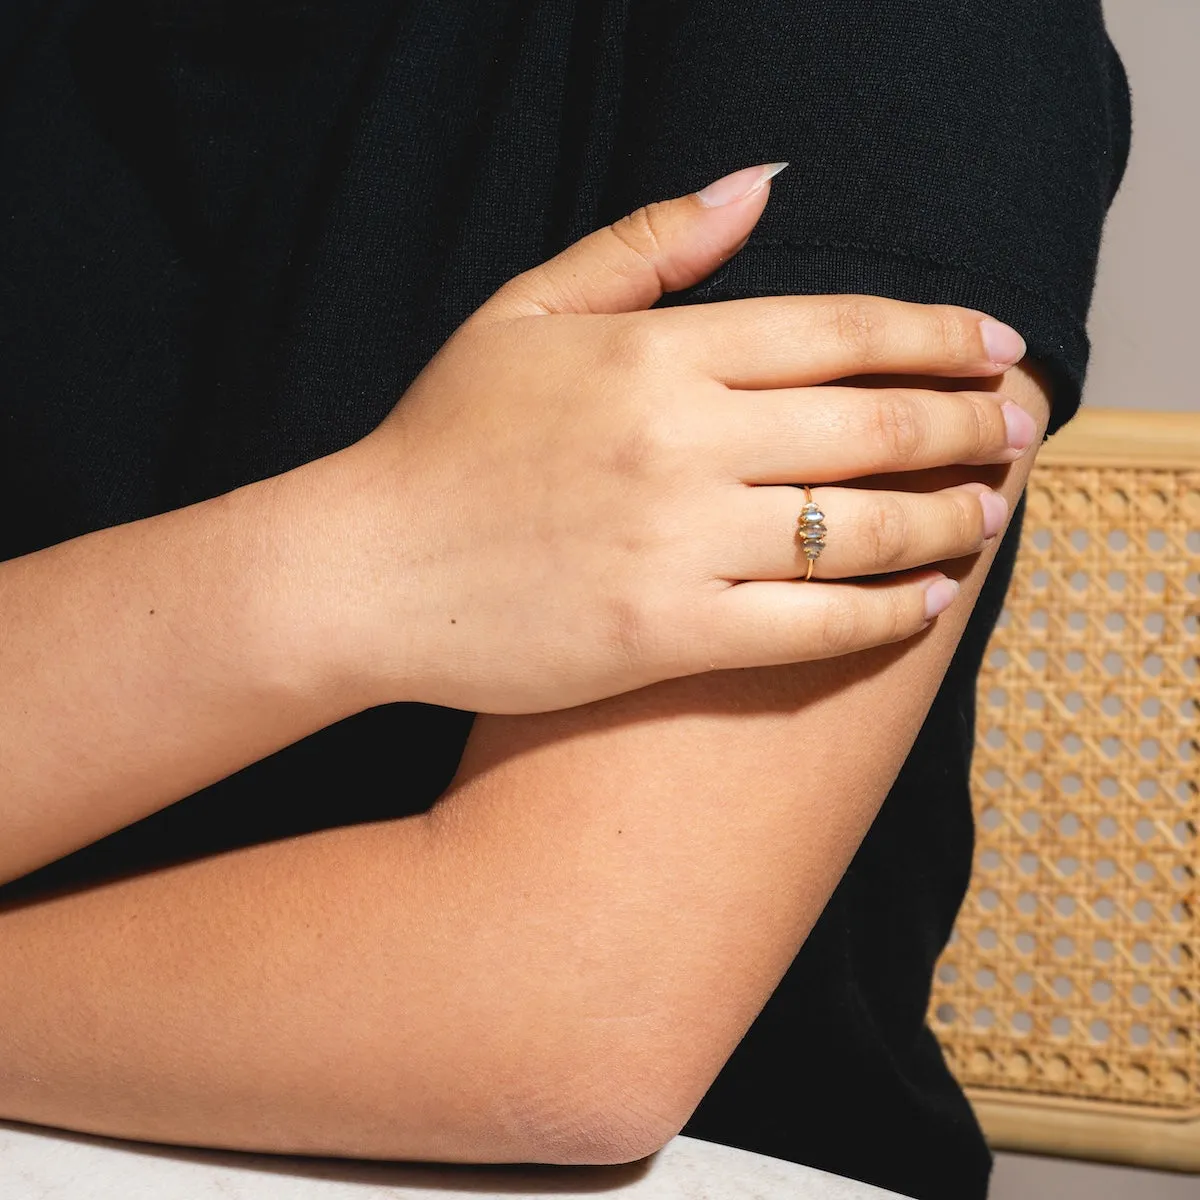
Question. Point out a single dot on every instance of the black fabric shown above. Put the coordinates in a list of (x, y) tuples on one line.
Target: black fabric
[(232, 231)]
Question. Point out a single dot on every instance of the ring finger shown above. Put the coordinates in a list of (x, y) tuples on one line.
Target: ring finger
[(869, 532)]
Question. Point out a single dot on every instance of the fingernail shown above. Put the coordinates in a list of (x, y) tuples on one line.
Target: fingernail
[(1020, 425), (1004, 345), (738, 185), (939, 595), (995, 512)]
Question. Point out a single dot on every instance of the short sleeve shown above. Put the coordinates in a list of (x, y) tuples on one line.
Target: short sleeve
[(955, 151)]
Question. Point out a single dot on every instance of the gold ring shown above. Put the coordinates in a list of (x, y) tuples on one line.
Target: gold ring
[(812, 530)]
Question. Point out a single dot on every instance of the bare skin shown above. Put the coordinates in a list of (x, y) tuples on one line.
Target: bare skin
[(577, 498)]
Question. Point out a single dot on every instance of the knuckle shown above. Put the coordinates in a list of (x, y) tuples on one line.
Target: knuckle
[(840, 628), (897, 426), (993, 430), (628, 342), (903, 620), (980, 433), (886, 533), (887, 620), (637, 344), (983, 425), (957, 333), (642, 232), (968, 520), (860, 323), (648, 444)]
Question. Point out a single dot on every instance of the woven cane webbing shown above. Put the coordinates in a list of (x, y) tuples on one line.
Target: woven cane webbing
[(1074, 968)]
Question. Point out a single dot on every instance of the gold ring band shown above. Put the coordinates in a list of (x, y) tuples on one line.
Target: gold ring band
[(812, 530)]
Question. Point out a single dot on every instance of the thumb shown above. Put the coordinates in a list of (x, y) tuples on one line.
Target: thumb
[(628, 265)]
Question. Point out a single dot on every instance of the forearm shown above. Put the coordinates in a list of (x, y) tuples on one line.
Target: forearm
[(323, 995), (395, 990), (143, 662)]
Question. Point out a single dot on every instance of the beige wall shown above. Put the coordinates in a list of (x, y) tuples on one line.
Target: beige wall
[(1145, 321)]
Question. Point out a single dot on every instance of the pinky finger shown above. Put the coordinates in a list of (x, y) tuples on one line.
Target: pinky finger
[(773, 622)]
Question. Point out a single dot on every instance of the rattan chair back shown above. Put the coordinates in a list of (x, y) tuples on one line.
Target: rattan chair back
[(1068, 1000)]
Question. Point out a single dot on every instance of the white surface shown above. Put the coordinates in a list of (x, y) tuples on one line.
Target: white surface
[(41, 1164)]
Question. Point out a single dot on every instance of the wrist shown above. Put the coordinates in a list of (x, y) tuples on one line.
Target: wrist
[(346, 599)]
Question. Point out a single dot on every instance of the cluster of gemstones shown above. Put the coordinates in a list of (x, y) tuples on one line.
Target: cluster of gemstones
[(812, 530)]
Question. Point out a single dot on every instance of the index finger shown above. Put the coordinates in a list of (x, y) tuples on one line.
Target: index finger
[(794, 341)]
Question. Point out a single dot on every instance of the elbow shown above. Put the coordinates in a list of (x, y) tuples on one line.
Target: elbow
[(618, 1113), (581, 1093), (604, 1137)]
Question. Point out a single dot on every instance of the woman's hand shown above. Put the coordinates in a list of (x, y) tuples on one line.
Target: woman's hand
[(582, 498), (575, 499)]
